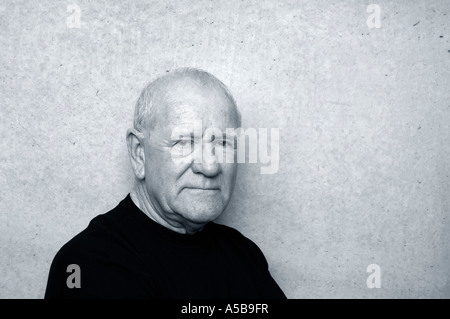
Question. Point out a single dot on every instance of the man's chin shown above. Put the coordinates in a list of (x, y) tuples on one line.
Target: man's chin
[(200, 210), (201, 215)]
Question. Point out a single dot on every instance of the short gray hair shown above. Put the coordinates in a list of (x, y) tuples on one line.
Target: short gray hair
[(143, 114)]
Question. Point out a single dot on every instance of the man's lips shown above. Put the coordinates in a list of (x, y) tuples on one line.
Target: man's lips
[(203, 188)]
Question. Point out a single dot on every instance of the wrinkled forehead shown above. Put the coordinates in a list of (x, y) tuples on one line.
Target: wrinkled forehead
[(185, 101)]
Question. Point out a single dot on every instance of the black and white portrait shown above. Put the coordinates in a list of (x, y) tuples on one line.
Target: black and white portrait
[(224, 149)]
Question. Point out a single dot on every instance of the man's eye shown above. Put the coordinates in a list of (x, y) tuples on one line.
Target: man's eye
[(184, 142), (225, 143)]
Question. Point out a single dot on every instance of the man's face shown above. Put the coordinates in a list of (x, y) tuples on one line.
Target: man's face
[(188, 190)]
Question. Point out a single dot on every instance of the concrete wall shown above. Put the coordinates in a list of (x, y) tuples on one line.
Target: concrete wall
[(363, 114)]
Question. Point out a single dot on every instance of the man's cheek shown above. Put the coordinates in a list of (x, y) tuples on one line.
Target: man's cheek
[(229, 172)]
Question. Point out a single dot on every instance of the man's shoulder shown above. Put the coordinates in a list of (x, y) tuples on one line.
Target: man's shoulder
[(96, 241), (238, 242), (228, 231)]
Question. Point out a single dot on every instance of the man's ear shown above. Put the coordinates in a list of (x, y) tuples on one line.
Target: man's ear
[(135, 140)]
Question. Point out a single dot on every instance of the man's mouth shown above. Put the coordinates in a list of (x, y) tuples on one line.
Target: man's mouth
[(203, 188)]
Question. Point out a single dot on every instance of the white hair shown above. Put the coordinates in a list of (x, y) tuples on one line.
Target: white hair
[(144, 115)]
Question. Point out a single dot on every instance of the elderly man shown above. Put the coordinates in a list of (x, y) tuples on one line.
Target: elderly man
[(161, 241)]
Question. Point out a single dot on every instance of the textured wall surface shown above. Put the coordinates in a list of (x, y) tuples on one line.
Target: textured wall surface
[(363, 114)]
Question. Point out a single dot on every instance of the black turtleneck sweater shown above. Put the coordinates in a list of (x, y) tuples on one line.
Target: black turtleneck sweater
[(125, 254)]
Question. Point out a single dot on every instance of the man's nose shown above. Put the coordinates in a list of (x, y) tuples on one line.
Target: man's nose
[(207, 164)]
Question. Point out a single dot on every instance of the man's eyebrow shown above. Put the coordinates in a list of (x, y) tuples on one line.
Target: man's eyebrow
[(189, 134), (225, 135)]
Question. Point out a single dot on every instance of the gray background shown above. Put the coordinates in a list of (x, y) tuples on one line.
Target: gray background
[(363, 116)]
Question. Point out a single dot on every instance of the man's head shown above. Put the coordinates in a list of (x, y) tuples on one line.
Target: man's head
[(182, 195)]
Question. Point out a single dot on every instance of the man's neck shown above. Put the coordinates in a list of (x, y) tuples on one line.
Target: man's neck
[(141, 199)]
